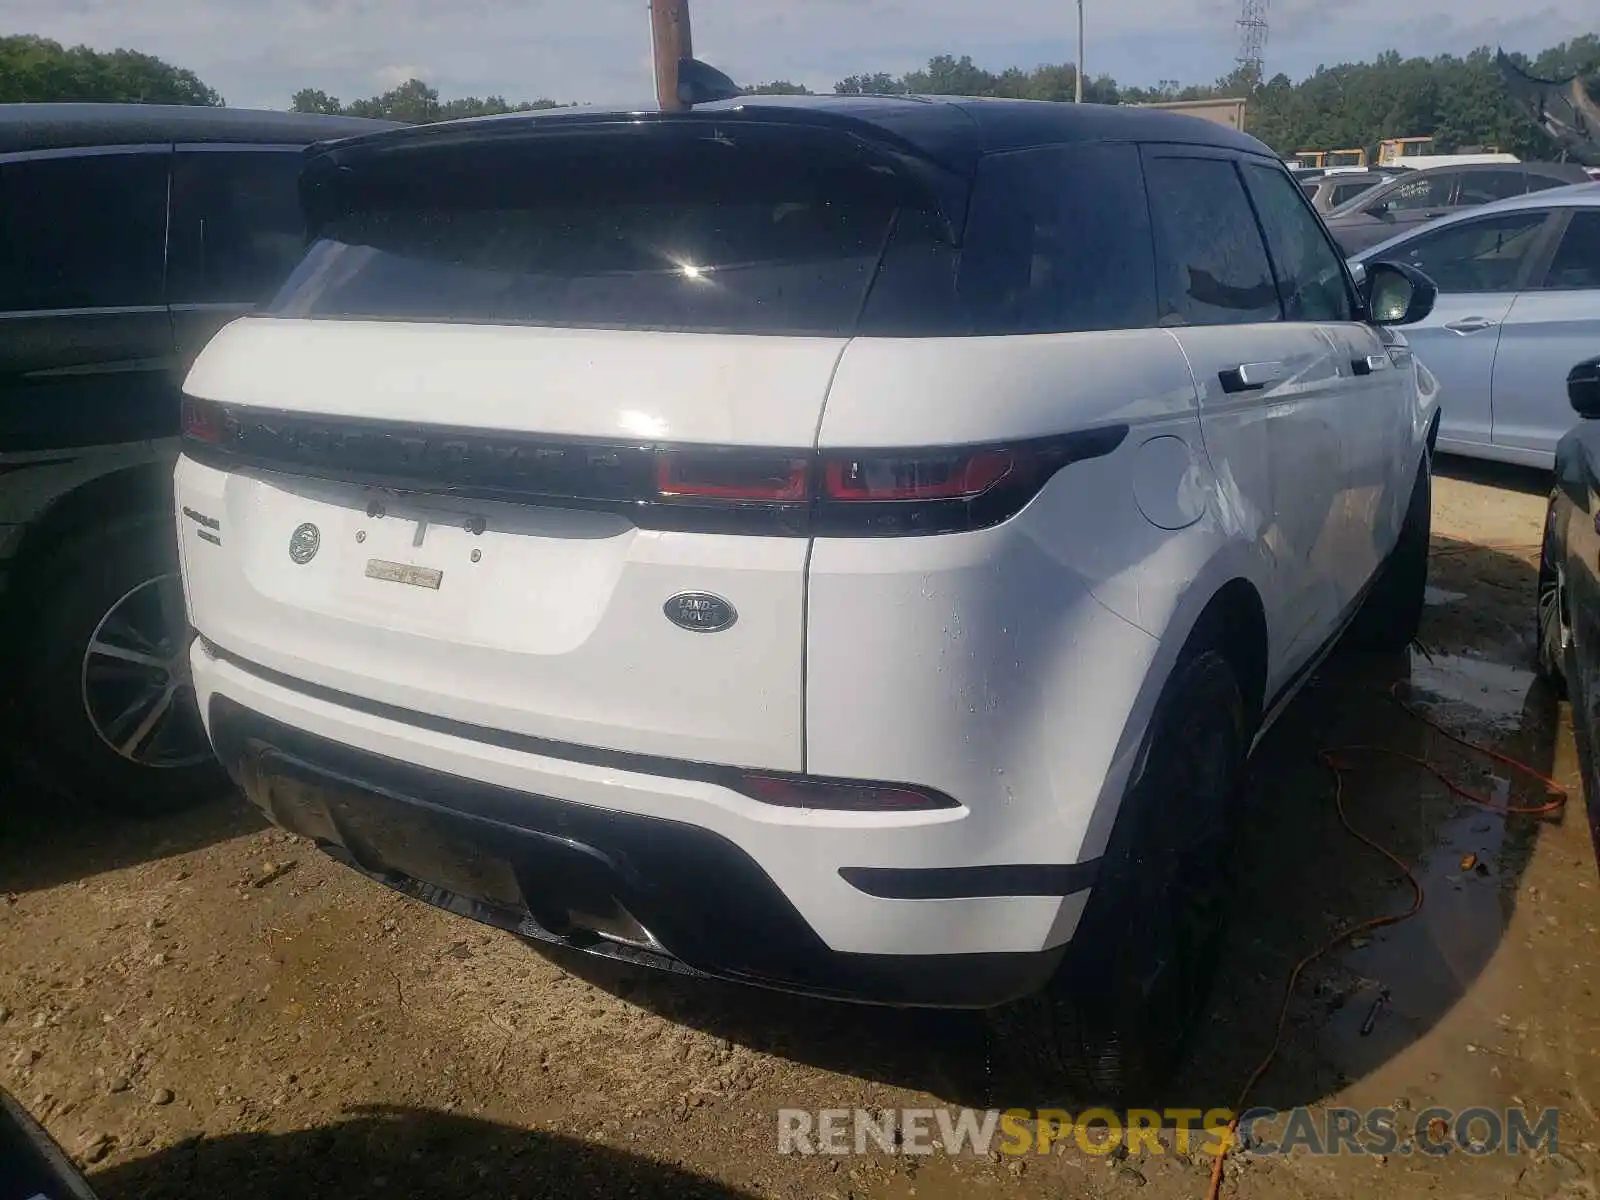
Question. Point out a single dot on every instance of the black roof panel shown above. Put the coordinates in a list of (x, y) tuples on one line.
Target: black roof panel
[(953, 130), (62, 126)]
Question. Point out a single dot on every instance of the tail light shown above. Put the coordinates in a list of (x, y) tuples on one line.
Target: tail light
[(961, 475), (785, 493), (202, 421), (840, 795)]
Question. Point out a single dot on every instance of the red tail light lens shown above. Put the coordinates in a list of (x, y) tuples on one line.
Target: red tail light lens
[(842, 795), (201, 421), (958, 476), (732, 476), (702, 489)]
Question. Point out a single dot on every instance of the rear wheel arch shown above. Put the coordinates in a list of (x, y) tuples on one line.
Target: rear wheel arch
[(142, 488), (1231, 621), (1234, 623)]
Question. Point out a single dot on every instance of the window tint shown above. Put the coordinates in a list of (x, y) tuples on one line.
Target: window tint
[(1346, 192), (1577, 260), (1480, 187), (1432, 190), (1475, 256), (698, 233), (1543, 183), (1058, 240), (1311, 277), (85, 231), (236, 225), (1212, 265)]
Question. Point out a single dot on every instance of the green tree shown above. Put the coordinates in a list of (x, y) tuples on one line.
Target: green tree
[(778, 87), (413, 102), (313, 100), (879, 84), (36, 68)]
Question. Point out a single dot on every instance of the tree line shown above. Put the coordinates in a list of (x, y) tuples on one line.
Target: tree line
[(1460, 101)]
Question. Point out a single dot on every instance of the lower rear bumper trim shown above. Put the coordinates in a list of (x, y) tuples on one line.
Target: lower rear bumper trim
[(565, 873)]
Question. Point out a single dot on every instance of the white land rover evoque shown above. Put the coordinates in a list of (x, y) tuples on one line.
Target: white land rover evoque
[(844, 544)]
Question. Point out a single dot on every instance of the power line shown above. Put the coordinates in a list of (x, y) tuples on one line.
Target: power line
[(1252, 35)]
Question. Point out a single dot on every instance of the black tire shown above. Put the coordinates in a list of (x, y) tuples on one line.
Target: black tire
[(1391, 615), (1116, 1020), (74, 706), (1550, 613)]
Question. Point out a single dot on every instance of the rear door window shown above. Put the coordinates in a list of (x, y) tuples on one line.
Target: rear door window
[(1487, 255), (699, 233), (1311, 277), (83, 230), (1577, 259), (1482, 187), (1212, 263), (237, 232), (1058, 240)]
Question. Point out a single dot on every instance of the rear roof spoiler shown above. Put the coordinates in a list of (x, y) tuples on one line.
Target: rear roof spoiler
[(701, 83)]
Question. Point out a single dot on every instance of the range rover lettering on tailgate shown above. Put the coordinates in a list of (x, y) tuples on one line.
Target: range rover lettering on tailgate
[(1039, 451)]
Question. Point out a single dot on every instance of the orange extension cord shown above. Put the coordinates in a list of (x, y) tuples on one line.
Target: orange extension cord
[(1331, 758)]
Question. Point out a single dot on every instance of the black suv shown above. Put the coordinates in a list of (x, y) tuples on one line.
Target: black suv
[(128, 235)]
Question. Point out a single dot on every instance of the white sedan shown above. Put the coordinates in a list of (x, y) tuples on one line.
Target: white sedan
[(1519, 303)]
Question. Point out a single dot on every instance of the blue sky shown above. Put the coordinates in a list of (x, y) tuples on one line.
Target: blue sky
[(258, 52)]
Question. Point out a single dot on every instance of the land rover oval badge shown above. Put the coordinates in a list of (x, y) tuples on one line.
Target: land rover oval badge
[(304, 543), (700, 612)]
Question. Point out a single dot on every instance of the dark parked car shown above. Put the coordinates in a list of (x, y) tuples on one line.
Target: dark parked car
[(1568, 631), (1419, 196), (128, 235)]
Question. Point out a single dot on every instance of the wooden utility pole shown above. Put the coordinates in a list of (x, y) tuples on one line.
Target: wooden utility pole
[(672, 42), (1077, 89)]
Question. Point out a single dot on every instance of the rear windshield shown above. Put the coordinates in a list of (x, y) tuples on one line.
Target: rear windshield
[(707, 236)]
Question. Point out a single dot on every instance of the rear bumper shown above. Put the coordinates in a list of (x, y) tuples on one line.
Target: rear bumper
[(647, 888)]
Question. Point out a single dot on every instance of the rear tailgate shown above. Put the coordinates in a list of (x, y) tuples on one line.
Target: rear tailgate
[(546, 620), (535, 385)]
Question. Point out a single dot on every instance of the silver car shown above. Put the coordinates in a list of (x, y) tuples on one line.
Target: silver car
[(1328, 192), (1519, 303)]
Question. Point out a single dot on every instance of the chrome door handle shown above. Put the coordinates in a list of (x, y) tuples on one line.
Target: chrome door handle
[(1470, 325), (1250, 377)]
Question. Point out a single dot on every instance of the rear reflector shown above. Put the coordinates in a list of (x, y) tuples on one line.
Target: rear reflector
[(732, 476), (699, 489), (843, 795)]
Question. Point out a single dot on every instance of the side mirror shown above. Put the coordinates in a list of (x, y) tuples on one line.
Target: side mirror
[(1583, 389), (1397, 294), (1380, 209)]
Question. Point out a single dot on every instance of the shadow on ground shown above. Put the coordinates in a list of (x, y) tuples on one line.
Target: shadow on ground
[(49, 838), (398, 1154), (1303, 877), (1528, 480)]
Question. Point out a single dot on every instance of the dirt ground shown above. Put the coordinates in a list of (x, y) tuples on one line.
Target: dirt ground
[(203, 1007)]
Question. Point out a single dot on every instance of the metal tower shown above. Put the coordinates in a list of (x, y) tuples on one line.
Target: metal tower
[(1252, 35)]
